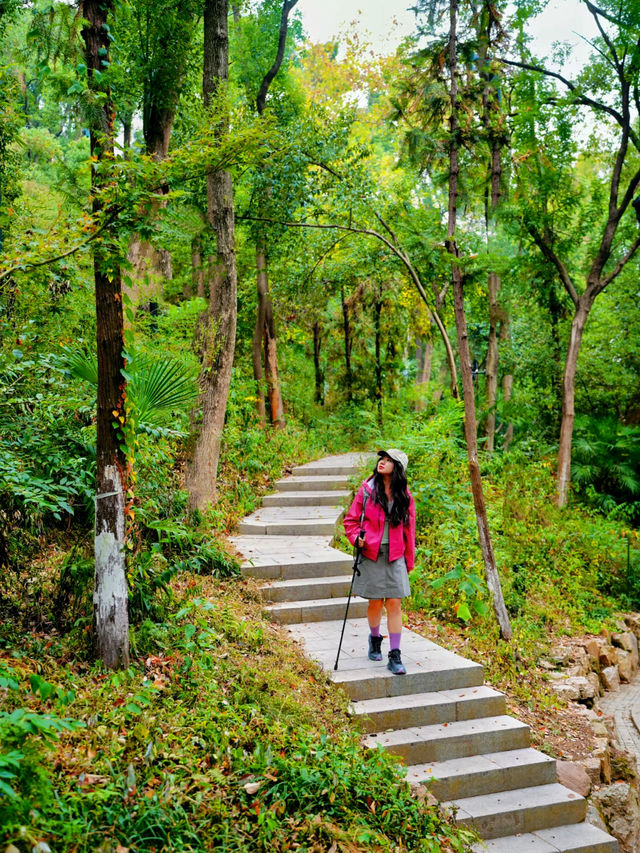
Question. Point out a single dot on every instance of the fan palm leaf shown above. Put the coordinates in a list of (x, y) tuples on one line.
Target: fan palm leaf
[(155, 386)]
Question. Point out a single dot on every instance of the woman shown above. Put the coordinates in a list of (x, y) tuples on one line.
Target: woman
[(388, 549)]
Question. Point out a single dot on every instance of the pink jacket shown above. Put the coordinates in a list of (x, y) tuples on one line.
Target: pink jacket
[(402, 538)]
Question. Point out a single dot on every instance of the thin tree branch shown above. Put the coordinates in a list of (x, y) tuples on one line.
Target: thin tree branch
[(323, 256), (30, 265), (261, 98), (553, 258), (579, 98), (596, 16), (619, 266)]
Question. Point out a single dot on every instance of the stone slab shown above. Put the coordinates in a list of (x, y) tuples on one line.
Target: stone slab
[(313, 483), (343, 463), (445, 741), (522, 810), (485, 774), (310, 498), (296, 589), (423, 709), (575, 838)]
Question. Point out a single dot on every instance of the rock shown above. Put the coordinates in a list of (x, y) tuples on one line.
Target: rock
[(626, 641), (619, 805), (610, 678), (608, 655), (575, 688), (601, 752), (592, 648), (594, 817), (593, 690), (624, 765), (627, 667), (599, 728), (574, 776), (632, 621), (592, 768)]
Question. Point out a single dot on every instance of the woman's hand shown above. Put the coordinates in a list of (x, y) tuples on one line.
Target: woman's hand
[(360, 542)]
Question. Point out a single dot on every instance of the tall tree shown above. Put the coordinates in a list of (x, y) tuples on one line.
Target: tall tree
[(111, 621), (264, 338), (446, 56), (157, 36), (217, 329), (609, 87)]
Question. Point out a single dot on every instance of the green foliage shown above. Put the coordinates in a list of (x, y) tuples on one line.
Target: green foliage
[(220, 735), (22, 732), (606, 466)]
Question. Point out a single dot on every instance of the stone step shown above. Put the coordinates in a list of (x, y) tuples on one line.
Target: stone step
[(326, 470), (310, 498), (434, 676), (575, 838), (291, 521), (272, 557), (313, 483), (444, 741), (344, 463), (305, 589), (522, 810), (316, 610), (312, 527), (485, 774), (426, 709)]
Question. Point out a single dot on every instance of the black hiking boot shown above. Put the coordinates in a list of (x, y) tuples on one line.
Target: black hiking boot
[(395, 663), (375, 644)]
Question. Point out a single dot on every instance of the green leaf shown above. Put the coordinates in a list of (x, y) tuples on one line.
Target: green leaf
[(463, 612)]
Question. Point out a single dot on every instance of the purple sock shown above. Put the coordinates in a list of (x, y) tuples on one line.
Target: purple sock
[(375, 632), (394, 640)]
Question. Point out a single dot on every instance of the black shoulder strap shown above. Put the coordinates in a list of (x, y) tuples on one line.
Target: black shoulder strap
[(364, 506)]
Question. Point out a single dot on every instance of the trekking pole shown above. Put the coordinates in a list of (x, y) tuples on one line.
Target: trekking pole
[(356, 571)]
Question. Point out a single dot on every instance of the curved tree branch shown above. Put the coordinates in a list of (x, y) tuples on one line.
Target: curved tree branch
[(261, 98)]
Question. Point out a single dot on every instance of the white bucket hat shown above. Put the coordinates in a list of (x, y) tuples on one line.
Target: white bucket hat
[(396, 455)]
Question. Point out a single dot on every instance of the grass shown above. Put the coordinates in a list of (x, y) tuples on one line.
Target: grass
[(220, 735)]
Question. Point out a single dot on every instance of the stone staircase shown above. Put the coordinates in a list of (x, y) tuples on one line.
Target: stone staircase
[(450, 730)]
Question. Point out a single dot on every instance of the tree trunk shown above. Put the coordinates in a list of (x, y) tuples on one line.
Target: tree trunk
[(218, 327), (319, 374), (265, 336), (110, 596), (196, 288), (126, 132), (258, 334), (376, 320), (568, 400), (492, 360), (346, 325), (507, 383), (271, 364), (424, 356), (264, 320), (491, 571), (151, 266)]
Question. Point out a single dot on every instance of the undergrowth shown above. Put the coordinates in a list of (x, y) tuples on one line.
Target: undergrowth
[(219, 736)]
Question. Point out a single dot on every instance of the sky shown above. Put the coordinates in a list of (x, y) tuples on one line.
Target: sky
[(388, 21)]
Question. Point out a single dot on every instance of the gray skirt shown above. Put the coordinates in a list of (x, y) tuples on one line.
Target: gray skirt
[(381, 578)]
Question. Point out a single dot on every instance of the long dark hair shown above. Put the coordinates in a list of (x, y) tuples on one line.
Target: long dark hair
[(400, 509)]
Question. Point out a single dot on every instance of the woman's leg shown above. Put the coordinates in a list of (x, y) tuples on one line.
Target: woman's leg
[(374, 615), (394, 615), (394, 625)]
